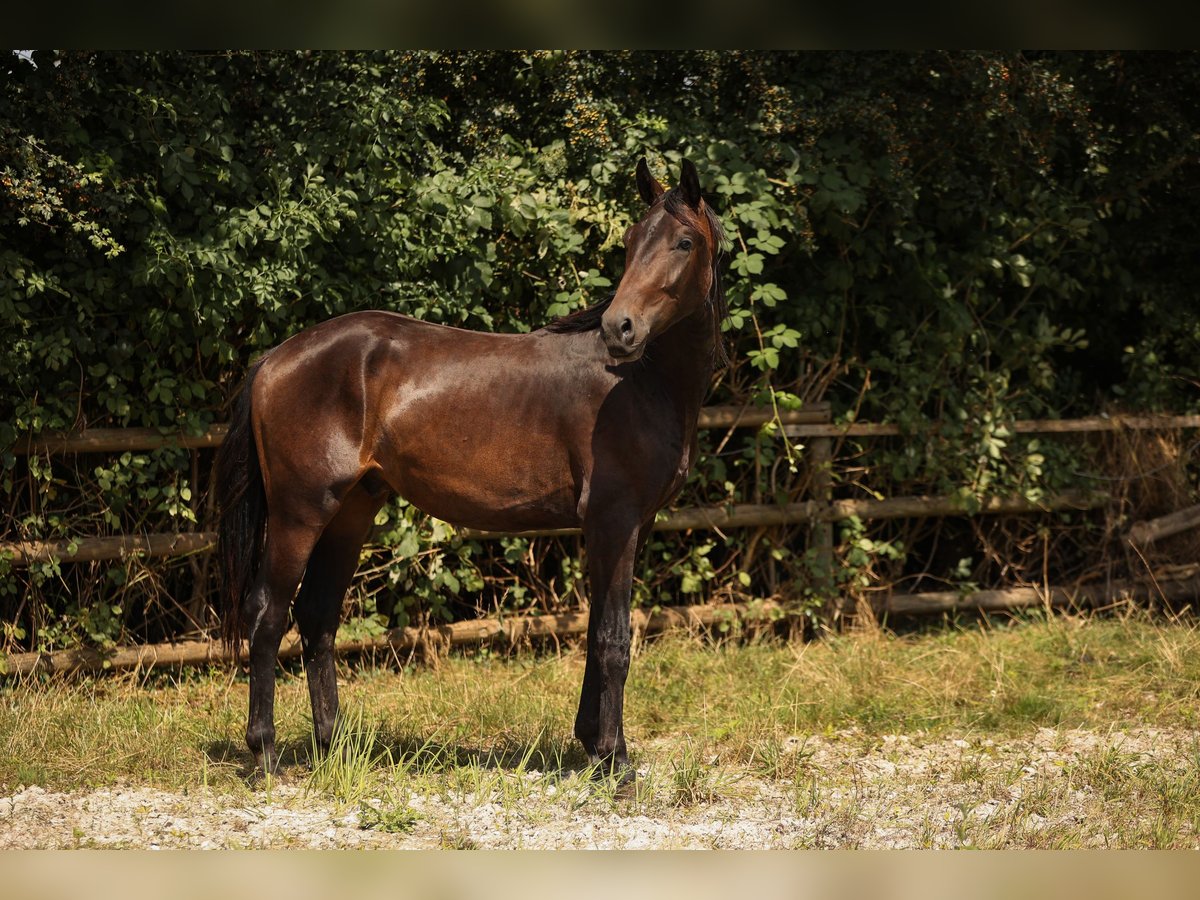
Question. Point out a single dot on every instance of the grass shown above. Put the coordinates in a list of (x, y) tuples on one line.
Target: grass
[(706, 724), (390, 820)]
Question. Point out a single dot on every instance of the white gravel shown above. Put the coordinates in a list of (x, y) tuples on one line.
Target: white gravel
[(847, 789)]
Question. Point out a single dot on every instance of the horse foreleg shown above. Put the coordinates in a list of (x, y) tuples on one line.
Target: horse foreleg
[(267, 612), (599, 725), (319, 604)]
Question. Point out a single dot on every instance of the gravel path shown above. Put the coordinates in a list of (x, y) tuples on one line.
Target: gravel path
[(844, 789)]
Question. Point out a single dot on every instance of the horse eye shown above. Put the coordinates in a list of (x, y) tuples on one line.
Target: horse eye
[(685, 244)]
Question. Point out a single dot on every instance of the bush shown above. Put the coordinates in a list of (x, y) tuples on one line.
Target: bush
[(947, 241)]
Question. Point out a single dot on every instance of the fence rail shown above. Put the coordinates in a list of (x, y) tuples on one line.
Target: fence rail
[(811, 421), (403, 640), (1021, 426), (116, 440), (743, 515)]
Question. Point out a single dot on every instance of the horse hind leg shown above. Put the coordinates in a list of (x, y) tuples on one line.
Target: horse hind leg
[(319, 605)]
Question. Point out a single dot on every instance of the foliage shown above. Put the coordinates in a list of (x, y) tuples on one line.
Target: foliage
[(947, 241)]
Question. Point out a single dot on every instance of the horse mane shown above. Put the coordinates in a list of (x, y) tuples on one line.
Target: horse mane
[(588, 319)]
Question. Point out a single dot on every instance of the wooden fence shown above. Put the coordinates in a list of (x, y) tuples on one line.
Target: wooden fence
[(811, 424)]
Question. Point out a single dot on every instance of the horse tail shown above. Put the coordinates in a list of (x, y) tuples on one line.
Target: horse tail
[(242, 500)]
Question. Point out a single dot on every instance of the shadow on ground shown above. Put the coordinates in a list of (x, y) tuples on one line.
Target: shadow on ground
[(551, 755)]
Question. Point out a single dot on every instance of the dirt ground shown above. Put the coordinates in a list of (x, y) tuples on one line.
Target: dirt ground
[(843, 790)]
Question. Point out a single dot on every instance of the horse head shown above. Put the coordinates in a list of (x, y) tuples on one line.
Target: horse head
[(671, 260)]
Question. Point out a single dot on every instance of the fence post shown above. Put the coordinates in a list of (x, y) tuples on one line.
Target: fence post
[(821, 450)]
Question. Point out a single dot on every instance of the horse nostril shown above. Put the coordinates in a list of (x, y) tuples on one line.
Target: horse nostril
[(626, 327)]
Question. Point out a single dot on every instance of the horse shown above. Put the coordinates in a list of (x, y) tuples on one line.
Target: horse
[(589, 422)]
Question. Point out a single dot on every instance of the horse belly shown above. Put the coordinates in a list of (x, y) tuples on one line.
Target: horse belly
[(497, 482)]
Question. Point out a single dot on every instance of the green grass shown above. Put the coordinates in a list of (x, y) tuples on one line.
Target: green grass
[(701, 720), (495, 714), (391, 820)]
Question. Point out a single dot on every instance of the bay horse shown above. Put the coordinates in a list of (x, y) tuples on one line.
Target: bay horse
[(589, 422)]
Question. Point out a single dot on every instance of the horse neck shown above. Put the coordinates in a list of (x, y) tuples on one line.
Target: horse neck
[(682, 357)]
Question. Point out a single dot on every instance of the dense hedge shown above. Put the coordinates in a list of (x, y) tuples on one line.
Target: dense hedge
[(947, 241)]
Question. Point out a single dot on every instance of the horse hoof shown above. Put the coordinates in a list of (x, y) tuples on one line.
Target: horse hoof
[(620, 773), (266, 763), (625, 780)]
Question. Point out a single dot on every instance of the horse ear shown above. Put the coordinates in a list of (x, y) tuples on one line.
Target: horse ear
[(647, 184), (689, 184)]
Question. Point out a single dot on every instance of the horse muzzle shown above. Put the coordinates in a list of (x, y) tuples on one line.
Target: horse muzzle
[(624, 337)]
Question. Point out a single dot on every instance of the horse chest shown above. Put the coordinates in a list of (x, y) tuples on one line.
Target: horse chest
[(674, 467)]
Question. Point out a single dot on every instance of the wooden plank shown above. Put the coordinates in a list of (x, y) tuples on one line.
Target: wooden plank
[(1024, 598), (1143, 534), (113, 440), (748, 515), (514, 629), (919, 507), (1106, 423), (756, 417), (951, 601), (1024, 426), (851, 429), (118, 440), (811, 421), (91, 549)]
